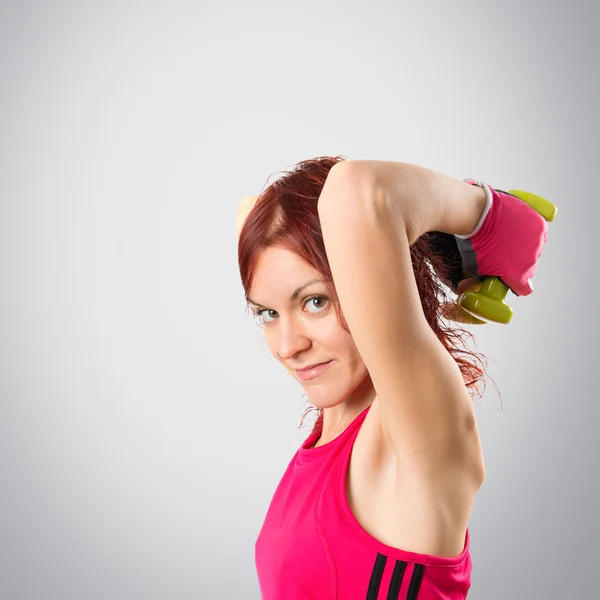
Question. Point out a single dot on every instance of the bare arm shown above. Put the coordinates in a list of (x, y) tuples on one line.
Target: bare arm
[(426, 414), (422, 199)]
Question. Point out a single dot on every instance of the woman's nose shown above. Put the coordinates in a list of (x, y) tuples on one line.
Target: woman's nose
[(291, 342)]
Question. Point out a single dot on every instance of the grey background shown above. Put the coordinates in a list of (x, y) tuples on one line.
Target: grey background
[(143, 424)]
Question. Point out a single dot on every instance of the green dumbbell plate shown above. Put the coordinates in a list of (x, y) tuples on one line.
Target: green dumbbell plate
[(486, 307), (539, 204)]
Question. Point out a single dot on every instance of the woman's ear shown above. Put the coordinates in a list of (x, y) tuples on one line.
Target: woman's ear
[(244, 207)]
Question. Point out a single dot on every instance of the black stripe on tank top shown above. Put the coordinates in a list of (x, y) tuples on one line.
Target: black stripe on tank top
[(396, 582), (415, 582), (376, 574)]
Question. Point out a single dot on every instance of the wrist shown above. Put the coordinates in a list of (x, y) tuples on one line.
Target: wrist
[(478, 205)]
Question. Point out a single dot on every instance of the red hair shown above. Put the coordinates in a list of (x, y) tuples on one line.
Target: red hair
[(285, 215)]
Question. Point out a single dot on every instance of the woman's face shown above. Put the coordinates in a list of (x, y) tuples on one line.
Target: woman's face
[(304, 329)]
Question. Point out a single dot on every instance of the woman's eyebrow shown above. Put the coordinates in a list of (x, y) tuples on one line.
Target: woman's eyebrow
[(296, 291)]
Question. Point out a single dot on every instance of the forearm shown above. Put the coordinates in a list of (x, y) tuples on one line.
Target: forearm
[(423, 200)]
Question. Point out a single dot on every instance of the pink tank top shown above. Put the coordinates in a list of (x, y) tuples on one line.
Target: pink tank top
[(311, 547)]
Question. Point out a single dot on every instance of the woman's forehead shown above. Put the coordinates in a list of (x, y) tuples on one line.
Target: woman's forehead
[(278, 273)]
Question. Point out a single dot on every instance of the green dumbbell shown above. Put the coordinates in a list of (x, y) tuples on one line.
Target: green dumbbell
[(488, 303)]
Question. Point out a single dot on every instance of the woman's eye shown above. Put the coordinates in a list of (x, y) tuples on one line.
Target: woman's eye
[(311, 300), (316, 298), (259, 314)]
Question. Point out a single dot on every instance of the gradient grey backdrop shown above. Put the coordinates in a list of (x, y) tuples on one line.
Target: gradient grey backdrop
[(143, 424)]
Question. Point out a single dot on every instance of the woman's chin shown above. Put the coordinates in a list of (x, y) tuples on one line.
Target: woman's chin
[(324, 398)]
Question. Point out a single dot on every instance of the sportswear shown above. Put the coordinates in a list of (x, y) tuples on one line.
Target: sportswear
[(311, 547)]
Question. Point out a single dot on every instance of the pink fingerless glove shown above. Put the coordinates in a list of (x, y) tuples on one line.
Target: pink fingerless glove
[(507, 241)]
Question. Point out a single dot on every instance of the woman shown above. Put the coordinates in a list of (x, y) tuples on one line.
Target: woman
[(334, 262)]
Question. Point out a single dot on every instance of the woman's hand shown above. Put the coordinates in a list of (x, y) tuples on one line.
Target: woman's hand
[(468, 285), (508, 242), (454, 312), (244, 207)]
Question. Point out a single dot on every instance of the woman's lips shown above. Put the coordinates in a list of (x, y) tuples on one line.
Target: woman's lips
[(311, 373)]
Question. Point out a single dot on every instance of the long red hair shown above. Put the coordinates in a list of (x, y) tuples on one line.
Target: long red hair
[(285, 215)]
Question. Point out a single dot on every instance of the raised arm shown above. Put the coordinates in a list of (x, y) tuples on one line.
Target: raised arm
[(370, 212), (420, 199)]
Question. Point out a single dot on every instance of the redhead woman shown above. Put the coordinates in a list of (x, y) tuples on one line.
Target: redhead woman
[(337, 265)]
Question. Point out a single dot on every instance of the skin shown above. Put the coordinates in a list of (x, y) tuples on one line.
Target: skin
[(306, 331), (244, 207), (309, 334)]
